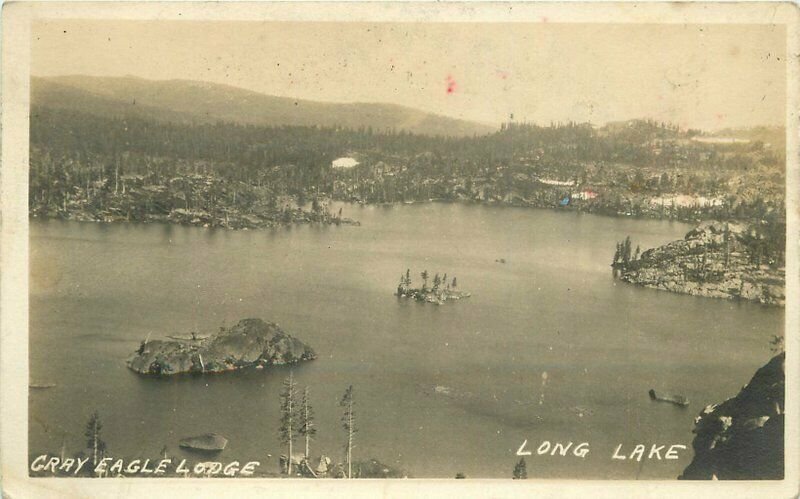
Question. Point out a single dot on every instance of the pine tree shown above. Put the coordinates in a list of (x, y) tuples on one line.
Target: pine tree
[(437, 281), (455, 283), (288, 426), (727, 239), (704, 264), (307, 428), (348, 422), (424, 276), (94, 442), (777, 344), (520, 470), (626, 253)]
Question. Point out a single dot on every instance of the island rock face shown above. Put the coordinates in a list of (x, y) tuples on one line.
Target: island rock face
[(742, 438), (250, 343), (716, 259)]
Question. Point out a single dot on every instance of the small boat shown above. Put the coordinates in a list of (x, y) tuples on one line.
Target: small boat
[(678, 400), (208, 442), (41, 386), (187, 338)]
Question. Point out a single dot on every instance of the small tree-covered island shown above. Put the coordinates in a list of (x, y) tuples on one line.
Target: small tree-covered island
[(250, 343), (442, 288)]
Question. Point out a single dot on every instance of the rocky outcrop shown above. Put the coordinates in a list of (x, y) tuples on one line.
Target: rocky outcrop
[(742, 438), (210, 442), (715, 260), (250, 343), (438, 297)]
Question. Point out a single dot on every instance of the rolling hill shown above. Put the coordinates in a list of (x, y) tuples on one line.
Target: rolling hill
[(198, 102)]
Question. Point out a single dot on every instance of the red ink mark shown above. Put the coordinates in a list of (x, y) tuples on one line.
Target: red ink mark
[(545, 19), (720, 117), (502, 74), (451, 84)]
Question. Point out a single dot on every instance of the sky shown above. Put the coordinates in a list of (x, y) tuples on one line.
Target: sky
[(700, 76)]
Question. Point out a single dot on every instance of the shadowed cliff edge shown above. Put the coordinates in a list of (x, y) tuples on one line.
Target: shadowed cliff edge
[(742, 438)]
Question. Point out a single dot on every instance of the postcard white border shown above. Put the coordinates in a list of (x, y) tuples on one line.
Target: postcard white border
[(16, 22)]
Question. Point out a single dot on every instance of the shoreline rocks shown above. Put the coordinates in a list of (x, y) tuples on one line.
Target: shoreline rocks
[(250, 343), (438, 297), (200, 219)]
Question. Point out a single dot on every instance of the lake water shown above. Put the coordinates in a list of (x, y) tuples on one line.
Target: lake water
[(549, 346)]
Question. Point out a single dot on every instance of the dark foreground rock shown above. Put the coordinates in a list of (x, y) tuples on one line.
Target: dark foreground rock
[(716, 260), (742, 438), (250, 343)]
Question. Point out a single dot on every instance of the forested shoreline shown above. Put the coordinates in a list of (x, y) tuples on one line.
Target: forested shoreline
[(89, 167)]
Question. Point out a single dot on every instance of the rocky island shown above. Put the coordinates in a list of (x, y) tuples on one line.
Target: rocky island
[(250, 343), (716, 259), (742, 438), (441, 291)]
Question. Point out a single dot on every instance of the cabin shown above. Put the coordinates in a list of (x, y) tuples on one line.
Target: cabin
[(585, 195)]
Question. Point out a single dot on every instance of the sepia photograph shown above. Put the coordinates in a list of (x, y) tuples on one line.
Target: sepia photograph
[(300, 249)]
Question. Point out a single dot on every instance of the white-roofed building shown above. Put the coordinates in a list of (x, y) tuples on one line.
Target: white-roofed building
[(344, 163)]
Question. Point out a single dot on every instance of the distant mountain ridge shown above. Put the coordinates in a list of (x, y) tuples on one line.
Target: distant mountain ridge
[(192, 101)]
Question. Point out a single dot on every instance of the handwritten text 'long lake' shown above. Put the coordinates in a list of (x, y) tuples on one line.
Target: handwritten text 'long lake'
[(637, 453)]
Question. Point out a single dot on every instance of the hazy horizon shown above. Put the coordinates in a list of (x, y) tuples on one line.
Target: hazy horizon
[(707, 77)]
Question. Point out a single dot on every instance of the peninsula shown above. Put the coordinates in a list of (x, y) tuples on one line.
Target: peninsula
[(716, 259), (250, 343)]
